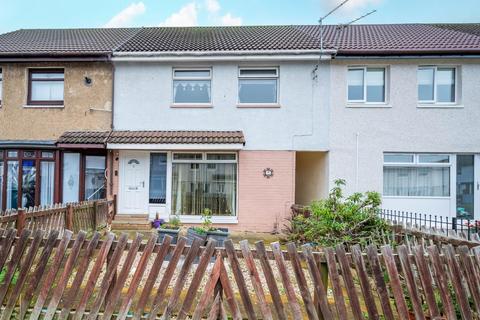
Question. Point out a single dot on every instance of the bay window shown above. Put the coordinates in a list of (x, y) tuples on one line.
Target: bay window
[(258, 86), (192, 86), (204, 181), (28, 178), (416, 175), (436, 84), (366, 85)]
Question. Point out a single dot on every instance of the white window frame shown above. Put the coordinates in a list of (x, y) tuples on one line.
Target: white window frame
[(434, 101), (275, 77), (385, 85), (204, 157), (192, 104), (417, 164)]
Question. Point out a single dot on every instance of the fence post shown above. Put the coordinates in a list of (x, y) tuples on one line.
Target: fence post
[(21, 220), (95, 212), (454, 223), (69, 217)]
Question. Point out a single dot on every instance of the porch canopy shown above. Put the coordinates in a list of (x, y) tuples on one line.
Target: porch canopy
[(83, 139), (176, 140)]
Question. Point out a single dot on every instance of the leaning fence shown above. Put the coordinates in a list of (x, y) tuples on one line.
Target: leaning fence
[(115, 278), (87, 215)]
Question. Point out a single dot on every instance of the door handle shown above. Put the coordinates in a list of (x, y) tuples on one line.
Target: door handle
[(143, 184)]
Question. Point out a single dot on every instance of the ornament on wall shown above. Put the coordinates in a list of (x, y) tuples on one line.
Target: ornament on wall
[(268, 173)]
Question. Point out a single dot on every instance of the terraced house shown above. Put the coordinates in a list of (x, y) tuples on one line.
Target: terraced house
[(246, 121)]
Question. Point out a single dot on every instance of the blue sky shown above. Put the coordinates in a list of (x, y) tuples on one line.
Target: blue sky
[(16, 14)]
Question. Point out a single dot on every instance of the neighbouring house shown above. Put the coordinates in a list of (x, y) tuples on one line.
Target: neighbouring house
[(246, 121), (53, 81)]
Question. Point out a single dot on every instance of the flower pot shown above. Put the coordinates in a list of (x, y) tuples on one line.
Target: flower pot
[(192, 235), (171, 232), (220, 235)]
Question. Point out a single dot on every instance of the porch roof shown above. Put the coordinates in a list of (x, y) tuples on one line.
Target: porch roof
[(176, 137), (101, 138)]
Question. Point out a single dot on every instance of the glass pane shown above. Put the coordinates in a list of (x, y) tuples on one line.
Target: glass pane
[(1, 185), (71, 173), (465, 186), (205, 186), (12, 184), (47, 154), (158, 177), (191, 91), (29, 154), (416, 181), (425, 80), (257, 91), (376, 85), (355, 84), (192, 73), (95, 178), (445, 85), (434, 158), (221, 156), (47, 182), (12, 154), (398, 158), (29, 174), (187, 156), (48, 75), (258, 72), (47, 91)]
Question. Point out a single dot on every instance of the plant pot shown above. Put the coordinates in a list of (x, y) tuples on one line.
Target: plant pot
[(220, 235), (171, 232), (192, 235)]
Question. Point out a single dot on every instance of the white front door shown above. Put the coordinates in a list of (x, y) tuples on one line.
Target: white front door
[(134, 183)]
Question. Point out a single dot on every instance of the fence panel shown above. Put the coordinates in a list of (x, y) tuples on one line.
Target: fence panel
[(115, 278)]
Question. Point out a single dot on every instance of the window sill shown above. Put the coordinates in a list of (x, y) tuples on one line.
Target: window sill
[(440, 106), (191, 105), (35, 106), (215, 219), (360, 105), (258, 105)]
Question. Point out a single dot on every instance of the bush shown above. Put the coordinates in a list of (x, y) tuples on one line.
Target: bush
[(339, 220)]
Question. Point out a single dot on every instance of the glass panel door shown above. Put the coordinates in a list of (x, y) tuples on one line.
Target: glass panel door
[(71, 175), (466, 186), (28, 183)]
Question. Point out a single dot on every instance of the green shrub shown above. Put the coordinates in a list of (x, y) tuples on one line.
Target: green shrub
[(339, 220)]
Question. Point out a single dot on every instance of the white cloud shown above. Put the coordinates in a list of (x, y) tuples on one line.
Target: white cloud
[(185, 17), (126, 16), (229, 20), (212, 6)]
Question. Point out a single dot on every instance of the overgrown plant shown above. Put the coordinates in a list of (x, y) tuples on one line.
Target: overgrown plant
[(206, 222), (340, 220)]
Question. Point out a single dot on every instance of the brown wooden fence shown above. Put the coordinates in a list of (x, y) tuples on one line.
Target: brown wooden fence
[(87, 215), (88, 278)]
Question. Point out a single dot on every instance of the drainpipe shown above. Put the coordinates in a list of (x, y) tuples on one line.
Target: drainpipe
[(357, 135), (112, 126)]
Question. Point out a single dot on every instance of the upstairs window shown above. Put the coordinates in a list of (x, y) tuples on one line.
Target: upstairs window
[(45, 87), (258, 86), (192, 86), (436, 84), (366, 85), (1, 85)]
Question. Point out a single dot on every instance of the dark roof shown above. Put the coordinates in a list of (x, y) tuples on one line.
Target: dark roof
[(400, 39), (220, 39), (386, 39), (176, 137), (63, 42), (150, 137), (84, 137)]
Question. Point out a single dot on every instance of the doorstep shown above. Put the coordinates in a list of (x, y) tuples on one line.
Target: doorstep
[(131, 222)]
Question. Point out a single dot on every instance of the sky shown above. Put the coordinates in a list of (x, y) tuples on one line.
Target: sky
[(27, 14)]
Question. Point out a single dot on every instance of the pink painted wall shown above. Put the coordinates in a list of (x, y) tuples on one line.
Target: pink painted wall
[(264, 204)]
